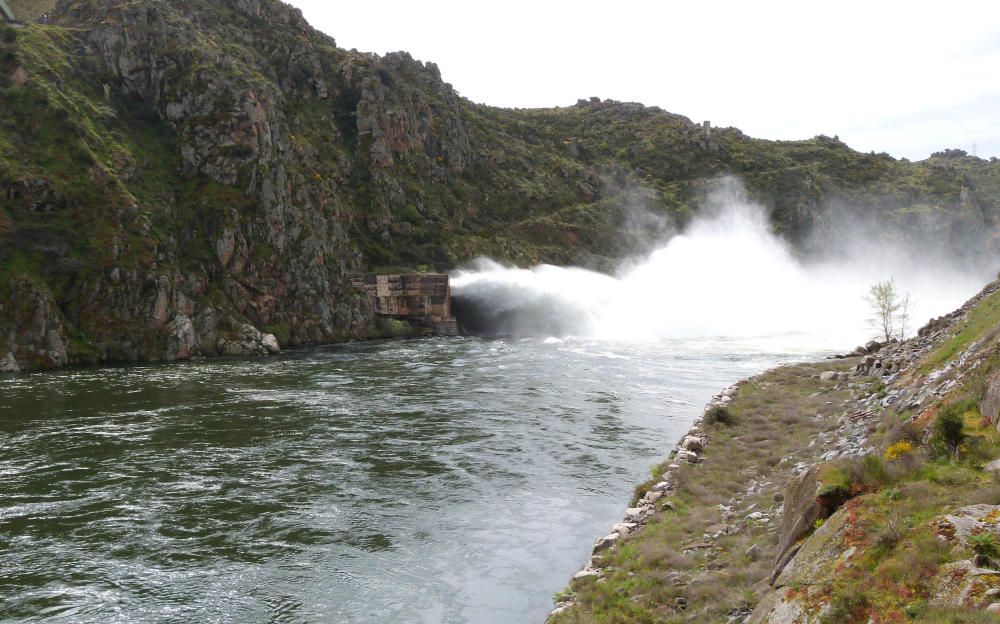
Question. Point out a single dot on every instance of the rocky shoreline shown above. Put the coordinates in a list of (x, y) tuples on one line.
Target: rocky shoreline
[(635, 518), (762, 517)]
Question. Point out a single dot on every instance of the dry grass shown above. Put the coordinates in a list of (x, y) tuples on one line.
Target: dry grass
[(774, 418)]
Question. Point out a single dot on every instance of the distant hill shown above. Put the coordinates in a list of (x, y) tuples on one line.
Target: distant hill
[(175, 176)]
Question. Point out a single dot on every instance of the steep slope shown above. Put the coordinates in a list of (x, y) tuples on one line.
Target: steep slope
[(31, 10), (863, 489), (186, 177)]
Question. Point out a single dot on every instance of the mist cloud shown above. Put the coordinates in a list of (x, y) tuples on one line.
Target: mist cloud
[(725, 276)]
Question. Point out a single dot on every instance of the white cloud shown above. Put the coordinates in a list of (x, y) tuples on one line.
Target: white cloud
[(785, 69)]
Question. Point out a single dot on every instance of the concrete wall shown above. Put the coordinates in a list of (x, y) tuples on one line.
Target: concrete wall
[(419, 296)]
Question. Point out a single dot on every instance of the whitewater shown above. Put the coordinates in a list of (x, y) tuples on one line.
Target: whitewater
[(726, 276)]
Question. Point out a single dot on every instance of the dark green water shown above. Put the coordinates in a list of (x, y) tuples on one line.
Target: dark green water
[(452, 480)]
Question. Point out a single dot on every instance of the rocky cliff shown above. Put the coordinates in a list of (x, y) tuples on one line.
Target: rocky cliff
[(201, 177), (860, 489)]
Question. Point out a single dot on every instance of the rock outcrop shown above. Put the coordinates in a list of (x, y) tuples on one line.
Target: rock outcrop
[(800, 513), (171, 172), (35, 334)]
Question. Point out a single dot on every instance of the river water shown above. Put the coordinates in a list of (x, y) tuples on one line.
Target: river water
[(439, 480), (456, 480)]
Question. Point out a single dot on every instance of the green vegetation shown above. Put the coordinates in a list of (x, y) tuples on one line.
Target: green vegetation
[(881, 549), (949, 426), (985, 544), (982, 321), (889, 526), (888, 513), (773, 420), (719, 415), (301, 163)]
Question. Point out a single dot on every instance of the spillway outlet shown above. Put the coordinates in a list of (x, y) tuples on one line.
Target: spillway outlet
[(422, 300)]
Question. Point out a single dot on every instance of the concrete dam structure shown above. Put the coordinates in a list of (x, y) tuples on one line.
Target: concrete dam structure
[(421, 299)]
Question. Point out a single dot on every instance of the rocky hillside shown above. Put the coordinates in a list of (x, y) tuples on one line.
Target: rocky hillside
[(861, 489), (202, 176)]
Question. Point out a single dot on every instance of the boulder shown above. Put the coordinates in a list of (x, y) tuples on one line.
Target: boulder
[(963, 585), (637, 514), (801, 511), (989, 405), (692, 443), (270, 342), (688, 456), (715, 531), (9, 364), (959, 525), (784, 606), (582, 574), (605, 542), (563, 606), (802, 591), (663, 486), (993, 467), (248, 340), (624, 528), (652, 496), (819, 558)]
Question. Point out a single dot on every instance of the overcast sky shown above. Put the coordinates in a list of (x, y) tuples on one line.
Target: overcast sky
[(908, 78)]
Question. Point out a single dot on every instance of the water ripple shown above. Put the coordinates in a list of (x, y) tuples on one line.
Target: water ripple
[(425, 481)]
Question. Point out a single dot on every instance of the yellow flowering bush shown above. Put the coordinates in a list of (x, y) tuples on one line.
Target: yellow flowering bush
[(897, 450)]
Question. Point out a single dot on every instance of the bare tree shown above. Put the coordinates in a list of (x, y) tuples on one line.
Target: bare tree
[(890, 310), (903, 319)]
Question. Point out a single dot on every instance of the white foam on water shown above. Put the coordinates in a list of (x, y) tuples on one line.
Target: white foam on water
[(726, 277)]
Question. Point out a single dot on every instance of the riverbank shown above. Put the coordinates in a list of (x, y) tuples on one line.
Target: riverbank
[(821, 493)]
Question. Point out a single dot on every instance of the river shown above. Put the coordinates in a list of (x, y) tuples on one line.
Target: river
[(457, 480), (442, 480)]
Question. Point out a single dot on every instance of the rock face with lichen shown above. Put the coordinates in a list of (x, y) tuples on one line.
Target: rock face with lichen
[(172, 173)]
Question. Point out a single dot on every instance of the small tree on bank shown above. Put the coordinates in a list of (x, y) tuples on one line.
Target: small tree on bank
[(890, 310)]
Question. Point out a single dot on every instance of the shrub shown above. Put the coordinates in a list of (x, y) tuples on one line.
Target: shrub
[(887, 537), (860, 475), (873, 472), (892, 494), (719, 415), (847, 607), (985, 544), (835, 487), (897, 450), (9, 35), (949, 427), (905, 430)]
